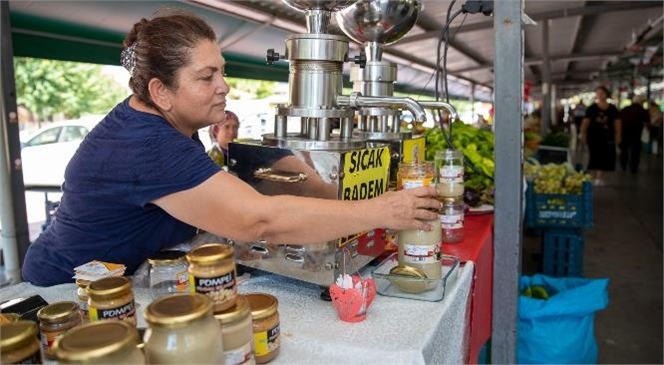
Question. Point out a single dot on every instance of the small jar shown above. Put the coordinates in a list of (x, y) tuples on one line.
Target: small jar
[(449, 170), (168, 273), (82, 294), (451, 219), (19, 343), (212, 272), (237, 333), (422, 249), (55, 319), (105, 342), (112, 298), (182, 330), (265, 317), (415, 174)]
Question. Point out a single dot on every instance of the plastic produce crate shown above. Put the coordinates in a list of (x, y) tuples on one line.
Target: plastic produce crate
[(562, 252), (559, 210)]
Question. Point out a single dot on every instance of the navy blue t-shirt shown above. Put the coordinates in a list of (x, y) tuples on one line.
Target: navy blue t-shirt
[(128, 160)]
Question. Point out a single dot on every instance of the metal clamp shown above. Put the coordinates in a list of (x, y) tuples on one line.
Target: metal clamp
[(280, 176)]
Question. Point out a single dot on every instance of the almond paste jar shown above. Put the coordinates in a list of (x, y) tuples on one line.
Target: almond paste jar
[(237, 333), (102, 342), (112, 298), (266, 326), (55, 319), (182, 330), (19, 343), (212, 272)]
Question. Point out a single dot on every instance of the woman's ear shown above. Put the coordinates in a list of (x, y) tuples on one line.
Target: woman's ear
[(160, 94)]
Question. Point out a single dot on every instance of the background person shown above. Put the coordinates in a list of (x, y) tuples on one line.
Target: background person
[(601, 131), (633, 118), (221, 134), (140, 182)]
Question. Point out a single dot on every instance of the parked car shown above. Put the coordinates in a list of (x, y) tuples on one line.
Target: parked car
[(47, 151)]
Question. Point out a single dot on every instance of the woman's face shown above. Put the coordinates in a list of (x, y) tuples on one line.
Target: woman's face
[(200, 98), (600, 95), (228, 132)]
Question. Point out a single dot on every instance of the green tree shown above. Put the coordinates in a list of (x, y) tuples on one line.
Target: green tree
[(258, 89), (48, 87)]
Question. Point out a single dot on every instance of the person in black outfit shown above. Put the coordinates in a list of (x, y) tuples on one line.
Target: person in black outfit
[(601, 131), (633, 118)]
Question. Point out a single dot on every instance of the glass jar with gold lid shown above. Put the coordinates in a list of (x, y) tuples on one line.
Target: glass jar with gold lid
[(111, 298), (55, 319), (103, 342), (182, 330), (19, 343), (82, 294), (9, 317), (237, 333), (265, 314), (212, 272), (422, 249)]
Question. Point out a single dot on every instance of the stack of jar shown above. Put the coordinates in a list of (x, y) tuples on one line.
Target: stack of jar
[(449, 184), (420, 250)]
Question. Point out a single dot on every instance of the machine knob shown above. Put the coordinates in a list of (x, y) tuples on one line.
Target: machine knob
[(272, 56), (360, 59)]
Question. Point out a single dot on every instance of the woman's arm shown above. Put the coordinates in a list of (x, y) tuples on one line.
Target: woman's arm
[(584, 130), (228, 207)]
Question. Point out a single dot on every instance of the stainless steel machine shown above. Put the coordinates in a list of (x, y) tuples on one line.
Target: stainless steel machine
[(317, 162), (375, 24)]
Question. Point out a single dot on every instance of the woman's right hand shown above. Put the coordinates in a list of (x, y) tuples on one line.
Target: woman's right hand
[(407, 209)]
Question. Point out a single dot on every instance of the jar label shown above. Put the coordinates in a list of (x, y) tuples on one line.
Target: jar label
[(421, 254), (240, 356), (451, 221), (266, 341), (416, 183), (450, 172), (218, 288), (182, 279), (47, 339), (126, 313)]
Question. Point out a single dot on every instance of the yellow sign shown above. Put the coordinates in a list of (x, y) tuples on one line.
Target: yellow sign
[(413, 147), (365, 173)]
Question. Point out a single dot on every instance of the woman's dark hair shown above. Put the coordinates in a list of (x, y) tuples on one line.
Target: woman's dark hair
[(160, 47), (605, 90)]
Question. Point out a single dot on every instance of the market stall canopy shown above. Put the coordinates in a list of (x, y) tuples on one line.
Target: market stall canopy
[(590, 42)]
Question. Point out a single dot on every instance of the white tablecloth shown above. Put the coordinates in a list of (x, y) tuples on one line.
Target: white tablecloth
[(396, 331)]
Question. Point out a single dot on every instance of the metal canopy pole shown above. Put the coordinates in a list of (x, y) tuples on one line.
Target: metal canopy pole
[(15, 234), (508, 87), (546, 112)]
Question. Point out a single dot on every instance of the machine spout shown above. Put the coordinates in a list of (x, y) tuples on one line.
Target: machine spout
[(435, 105), (355, 100)]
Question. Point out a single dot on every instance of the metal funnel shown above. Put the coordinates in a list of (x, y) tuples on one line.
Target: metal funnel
[(379, 21)]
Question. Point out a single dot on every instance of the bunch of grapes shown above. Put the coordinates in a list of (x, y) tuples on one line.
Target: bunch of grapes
[(558, 179)]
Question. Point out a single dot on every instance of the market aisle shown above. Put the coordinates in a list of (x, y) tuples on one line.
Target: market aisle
[(626, 246)]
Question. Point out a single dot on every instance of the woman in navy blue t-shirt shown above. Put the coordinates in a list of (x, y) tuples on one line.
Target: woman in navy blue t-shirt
[(141, 182)]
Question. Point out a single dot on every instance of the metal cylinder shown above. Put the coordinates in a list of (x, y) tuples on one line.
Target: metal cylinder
[(317, 21), (312, 128), (373, 123), (324, 129), (396, 123), (383, 124), (304, 126), (316, 65), (346, 128), (375, 79), (363, 123), (280, 126)]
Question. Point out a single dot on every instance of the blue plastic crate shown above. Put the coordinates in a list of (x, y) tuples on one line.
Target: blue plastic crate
[(559, 210), (562, 252)]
